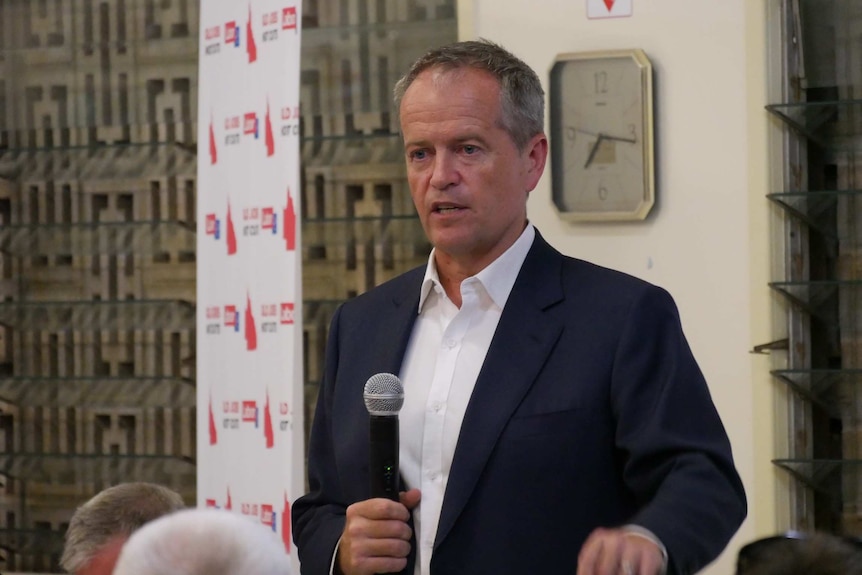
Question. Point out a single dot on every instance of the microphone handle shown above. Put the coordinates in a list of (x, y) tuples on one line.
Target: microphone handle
[(383, 464)]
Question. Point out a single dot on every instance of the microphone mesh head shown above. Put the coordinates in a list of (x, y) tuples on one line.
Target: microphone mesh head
[(383, 394)]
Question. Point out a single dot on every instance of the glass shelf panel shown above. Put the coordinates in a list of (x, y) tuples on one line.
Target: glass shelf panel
[(112, 238), (833, 124), (812, 295), (326, 151), (96, 392), (182, 48), (137, 162), (355, 138), (310, 34), (315, 311), (817, 207), (345, 256), (88, 467), (31, 541), (94, 315), (821, 474), (836, 390), (326, 32), (392, 231)]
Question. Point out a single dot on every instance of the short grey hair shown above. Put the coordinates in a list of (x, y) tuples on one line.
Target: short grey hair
[(817, 553), (522, 99), (117, 511), (203, 542)]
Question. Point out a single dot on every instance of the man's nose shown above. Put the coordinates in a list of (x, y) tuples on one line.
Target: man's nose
[(444, 172)]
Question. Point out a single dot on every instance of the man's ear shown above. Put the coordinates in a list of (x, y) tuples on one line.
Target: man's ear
[(536, 154), (105, 559)]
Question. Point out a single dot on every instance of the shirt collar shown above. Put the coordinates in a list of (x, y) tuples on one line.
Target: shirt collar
[(497, 278)]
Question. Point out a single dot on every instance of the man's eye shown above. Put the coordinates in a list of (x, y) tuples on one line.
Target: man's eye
[(468, 149), (418, 155)]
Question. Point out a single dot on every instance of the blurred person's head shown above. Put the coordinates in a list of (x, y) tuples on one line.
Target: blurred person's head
[(99, 528), (203, 542), (801, 554)]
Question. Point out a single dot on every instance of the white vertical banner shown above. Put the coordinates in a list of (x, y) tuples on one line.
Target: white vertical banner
[(249, 318)]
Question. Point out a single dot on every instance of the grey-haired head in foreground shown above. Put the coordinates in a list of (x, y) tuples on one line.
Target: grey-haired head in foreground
[(115, 512), (204, 542)]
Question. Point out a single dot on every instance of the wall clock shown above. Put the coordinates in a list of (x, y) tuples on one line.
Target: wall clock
[(601, 135)]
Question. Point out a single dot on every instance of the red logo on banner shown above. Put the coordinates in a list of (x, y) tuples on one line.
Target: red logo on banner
[(249, 124), (288, 18), (267, 516), (270, 139), (231, 233), (250, 46), (609, 4), (286, 317), (285, 524), (213, 149), (211, 504), (250, 328), (268, 432), (249, 412), (231, 317), (228, 504), (212, 226), (230, 35), (289, 224), (267, 220), (212, 425)]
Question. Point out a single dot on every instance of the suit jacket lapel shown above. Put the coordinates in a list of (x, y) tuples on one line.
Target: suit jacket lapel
[(397, 322), (524, 338)]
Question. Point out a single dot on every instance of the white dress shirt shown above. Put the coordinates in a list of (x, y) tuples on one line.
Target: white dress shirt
[(443, 359)]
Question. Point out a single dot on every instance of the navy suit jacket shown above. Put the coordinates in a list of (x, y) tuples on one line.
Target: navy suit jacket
[(589, 411)]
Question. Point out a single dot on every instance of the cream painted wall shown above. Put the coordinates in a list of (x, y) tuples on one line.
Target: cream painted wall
[(707, 239)]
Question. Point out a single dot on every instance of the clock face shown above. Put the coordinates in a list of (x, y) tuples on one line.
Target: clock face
[(601, 135)]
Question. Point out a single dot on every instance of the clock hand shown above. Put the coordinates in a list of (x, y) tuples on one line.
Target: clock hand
[(593, 150), (605, 136), (629, 140)]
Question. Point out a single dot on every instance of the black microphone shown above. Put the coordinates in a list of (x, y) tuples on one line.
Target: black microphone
[(384, 396)]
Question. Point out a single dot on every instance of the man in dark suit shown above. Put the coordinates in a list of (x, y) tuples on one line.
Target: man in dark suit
[(555, 420)]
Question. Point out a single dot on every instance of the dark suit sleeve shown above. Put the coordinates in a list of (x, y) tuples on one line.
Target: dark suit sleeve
[(677, 456), (318, 518)]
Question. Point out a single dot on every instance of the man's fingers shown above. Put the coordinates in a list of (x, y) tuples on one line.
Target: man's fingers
[(378, 509), (369, 565), (410, 499), (376, 537), (590, 555), (618, 552), (382, 548), (367, 529)]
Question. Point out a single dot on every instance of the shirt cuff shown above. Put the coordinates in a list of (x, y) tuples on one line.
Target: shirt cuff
[(335, 557), (645, 533)]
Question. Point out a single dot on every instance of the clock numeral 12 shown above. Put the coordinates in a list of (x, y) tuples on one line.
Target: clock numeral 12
[(601, 82)]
